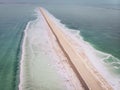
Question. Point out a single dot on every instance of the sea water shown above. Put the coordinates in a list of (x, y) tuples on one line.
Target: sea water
[(98, 25), (13, 20), (105, 63)]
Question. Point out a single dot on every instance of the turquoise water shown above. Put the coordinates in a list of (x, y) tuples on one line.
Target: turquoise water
[(99, 25), (13, 20)]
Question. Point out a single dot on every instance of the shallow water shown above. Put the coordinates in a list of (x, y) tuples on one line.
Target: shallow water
[(98, 24), (105, 63), (38, 60), (13, 19)]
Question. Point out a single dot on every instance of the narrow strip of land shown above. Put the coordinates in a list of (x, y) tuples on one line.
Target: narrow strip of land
[(87, 76)]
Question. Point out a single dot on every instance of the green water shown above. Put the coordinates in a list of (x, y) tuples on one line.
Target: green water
[(98, 24), (13, 19)]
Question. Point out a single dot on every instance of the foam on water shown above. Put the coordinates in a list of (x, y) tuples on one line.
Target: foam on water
[(36, 71), (41, 67), (106, 64)]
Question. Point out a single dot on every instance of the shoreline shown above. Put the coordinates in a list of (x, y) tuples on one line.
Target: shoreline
[(22, 57), (95, 76), (60, 64), (72, 78)]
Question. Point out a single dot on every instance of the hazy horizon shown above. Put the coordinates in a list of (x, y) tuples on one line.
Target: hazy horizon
[(65, 1)]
